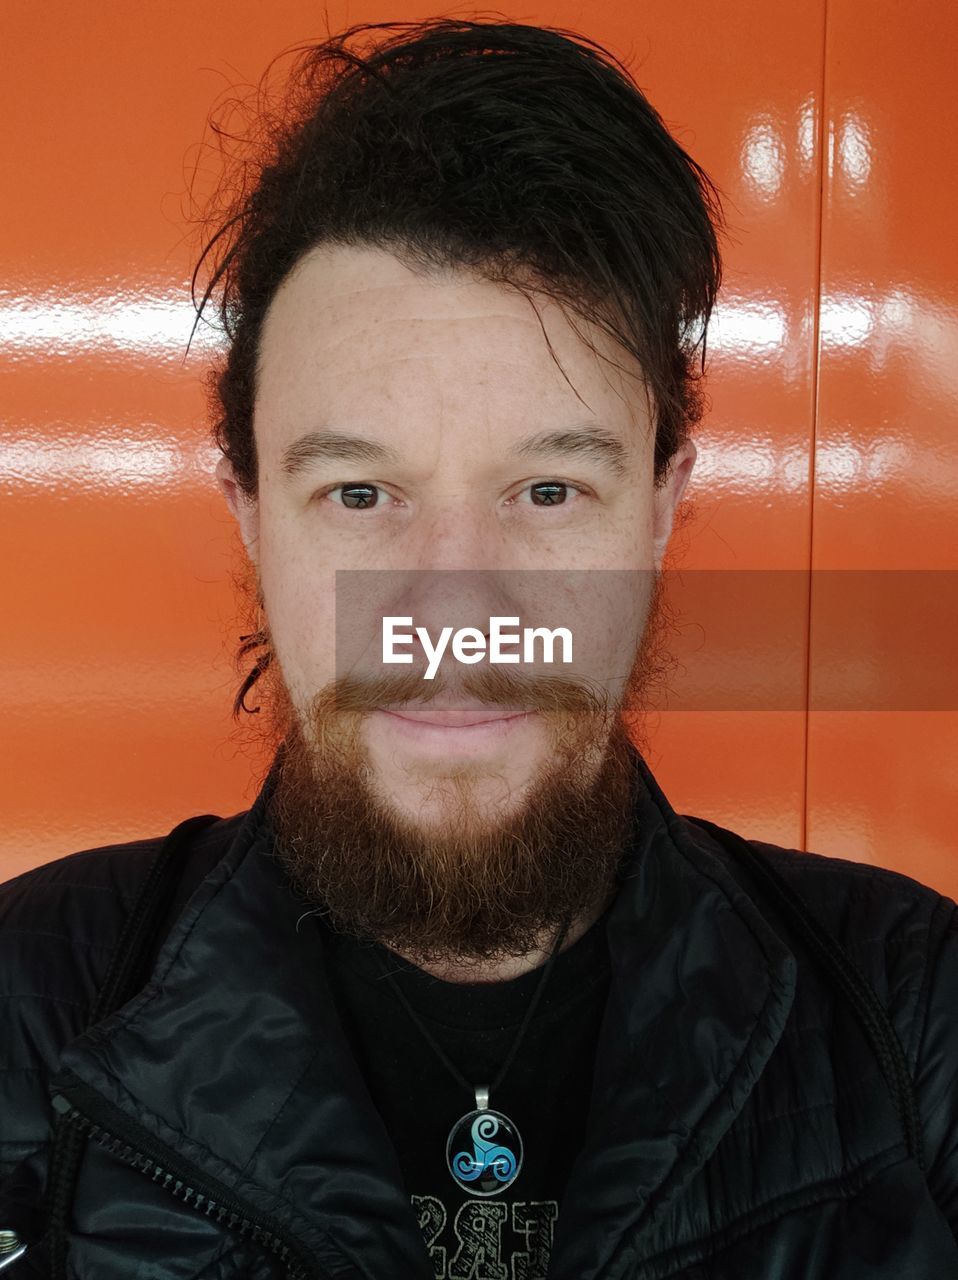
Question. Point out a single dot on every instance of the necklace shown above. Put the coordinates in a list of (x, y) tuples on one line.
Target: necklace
[(484, 1148)]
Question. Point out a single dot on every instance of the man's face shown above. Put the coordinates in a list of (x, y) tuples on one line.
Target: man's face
[(454, 474)]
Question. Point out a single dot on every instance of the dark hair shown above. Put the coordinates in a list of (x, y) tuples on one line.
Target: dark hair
[(524, 154)]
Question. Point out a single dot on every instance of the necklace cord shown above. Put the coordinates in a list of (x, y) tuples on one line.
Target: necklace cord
[(522, 1030)]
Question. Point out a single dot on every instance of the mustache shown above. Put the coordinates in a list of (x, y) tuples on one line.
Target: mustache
[(490, 685)]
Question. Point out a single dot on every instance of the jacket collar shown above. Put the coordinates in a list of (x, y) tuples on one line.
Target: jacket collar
[(233, 1054)]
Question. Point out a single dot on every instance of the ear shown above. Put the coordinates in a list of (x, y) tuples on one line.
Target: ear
[(667, 496), (246, 510)]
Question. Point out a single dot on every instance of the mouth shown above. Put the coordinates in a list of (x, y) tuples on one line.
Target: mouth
[(444, 733), (458, 716)]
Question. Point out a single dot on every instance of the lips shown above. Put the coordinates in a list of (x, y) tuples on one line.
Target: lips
[(455, 717)]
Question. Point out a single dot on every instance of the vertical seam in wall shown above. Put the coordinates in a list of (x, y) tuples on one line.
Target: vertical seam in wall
[(822, 142)]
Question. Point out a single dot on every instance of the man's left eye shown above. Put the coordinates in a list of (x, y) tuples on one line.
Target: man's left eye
[(548, 493)]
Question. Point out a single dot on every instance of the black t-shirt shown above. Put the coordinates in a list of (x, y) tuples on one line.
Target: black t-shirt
[(545, 1093)]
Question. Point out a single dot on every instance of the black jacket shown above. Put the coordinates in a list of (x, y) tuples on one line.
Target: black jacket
[(741, 1126)]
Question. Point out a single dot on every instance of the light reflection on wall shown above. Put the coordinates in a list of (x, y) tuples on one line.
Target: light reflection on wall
[(763, 158), (765, 152), (918, 329), (851, 152), (807, 135), (153, 459), (60, 322)]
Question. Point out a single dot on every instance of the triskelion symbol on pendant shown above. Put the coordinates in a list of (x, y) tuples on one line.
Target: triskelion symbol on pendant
[(479, 1164)]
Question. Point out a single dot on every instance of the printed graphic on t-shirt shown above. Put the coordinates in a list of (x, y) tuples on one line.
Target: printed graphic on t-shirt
[(487, 1239)]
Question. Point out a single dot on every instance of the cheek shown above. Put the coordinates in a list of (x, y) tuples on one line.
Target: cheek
[(624, 532), (299, 594), (609, 610), (639, 539)]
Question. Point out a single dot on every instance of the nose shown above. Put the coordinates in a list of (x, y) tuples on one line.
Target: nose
[(439, 597), (448, 571), (431, 599), (458, 531), (453, 579)]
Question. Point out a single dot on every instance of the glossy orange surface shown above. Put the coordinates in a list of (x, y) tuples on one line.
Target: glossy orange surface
[(831, 441)]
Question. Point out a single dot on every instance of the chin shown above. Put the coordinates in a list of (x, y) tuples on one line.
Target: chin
[(449, 802)]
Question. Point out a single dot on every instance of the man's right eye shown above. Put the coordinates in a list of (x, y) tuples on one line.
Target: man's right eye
[(356, 496)]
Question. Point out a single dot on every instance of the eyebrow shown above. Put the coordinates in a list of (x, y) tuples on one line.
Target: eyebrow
[(333, 446), (336, 446), (593, 442)]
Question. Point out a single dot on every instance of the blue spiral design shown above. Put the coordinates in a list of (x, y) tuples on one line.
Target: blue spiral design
[(485, 1155)]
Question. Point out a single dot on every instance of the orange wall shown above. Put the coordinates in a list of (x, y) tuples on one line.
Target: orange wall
[(830, 446)]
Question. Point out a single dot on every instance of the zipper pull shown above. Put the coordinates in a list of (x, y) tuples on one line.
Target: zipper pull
[(11, 1248)]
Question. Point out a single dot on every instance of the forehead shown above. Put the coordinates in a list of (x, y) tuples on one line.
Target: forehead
[(356, 326)]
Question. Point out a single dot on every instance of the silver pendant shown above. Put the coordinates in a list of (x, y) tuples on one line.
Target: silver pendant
[(484, 1150)]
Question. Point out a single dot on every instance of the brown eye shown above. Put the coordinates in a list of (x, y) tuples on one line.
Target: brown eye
[(549, 493), (359, 496)]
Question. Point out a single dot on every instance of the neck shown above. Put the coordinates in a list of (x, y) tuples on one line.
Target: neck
[(511, 966)]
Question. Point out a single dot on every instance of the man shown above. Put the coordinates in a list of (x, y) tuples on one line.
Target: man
[(461, 995)]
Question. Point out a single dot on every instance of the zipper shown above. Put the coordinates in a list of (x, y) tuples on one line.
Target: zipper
[(129, 1142)]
